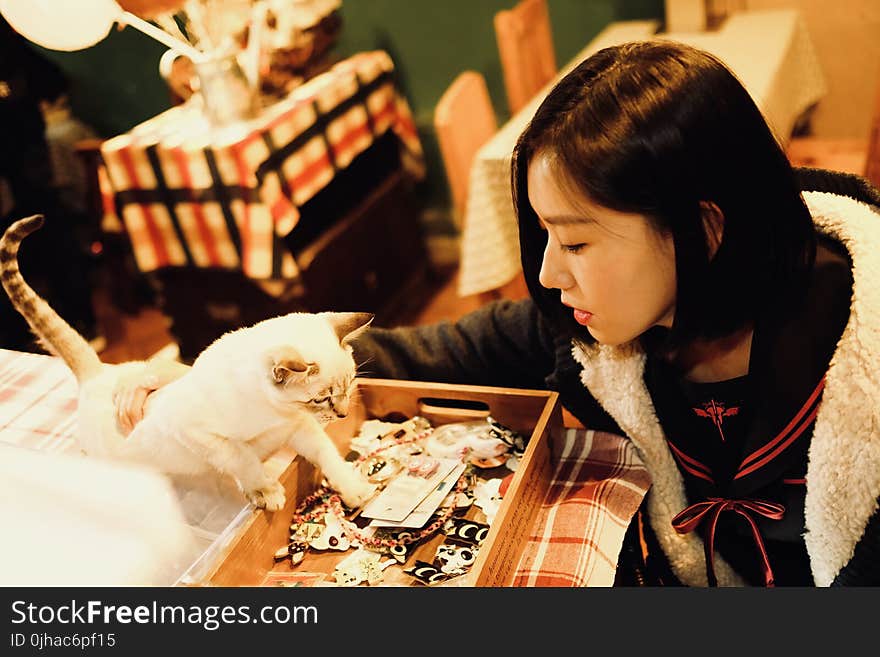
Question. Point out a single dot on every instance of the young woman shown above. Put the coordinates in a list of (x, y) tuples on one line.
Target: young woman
[(686, 294)]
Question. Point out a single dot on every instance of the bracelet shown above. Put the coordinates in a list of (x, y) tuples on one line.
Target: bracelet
[(397, 442)]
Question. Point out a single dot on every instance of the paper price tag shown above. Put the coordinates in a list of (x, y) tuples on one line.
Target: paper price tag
[(426, 508), (404, 493)]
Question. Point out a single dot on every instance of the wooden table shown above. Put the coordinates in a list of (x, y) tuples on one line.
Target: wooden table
[(770, 51), (598, 482)]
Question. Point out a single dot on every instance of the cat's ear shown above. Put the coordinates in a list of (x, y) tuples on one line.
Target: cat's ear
[(286, 364), (349, 325)]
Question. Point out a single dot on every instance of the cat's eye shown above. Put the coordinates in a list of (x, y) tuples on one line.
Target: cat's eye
[(322, 400)]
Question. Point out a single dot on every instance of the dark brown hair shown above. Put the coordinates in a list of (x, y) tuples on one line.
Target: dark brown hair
[(656, 128)]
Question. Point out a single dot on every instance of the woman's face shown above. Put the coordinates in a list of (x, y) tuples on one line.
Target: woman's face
[(612, 268)]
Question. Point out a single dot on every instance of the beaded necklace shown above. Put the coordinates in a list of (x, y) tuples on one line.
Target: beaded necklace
[(323, 501), (397, 442)]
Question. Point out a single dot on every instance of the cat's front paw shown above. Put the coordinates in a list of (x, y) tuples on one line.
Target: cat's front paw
[(270, 497), (356, 492)]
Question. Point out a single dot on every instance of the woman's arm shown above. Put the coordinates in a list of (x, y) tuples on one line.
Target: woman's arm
[(504, 343), (864, 567)]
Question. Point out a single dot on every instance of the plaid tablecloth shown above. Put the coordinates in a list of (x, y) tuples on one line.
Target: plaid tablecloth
[(38, 399), (190, 195), (598, 482)]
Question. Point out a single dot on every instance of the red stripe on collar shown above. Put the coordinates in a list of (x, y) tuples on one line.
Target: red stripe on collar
[(691, 464), (793, 430)]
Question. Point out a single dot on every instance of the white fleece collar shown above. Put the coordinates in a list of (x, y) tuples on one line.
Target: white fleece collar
[(843, 471)]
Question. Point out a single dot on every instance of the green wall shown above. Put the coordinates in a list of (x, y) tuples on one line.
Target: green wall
[(431, 42), (116, 84)]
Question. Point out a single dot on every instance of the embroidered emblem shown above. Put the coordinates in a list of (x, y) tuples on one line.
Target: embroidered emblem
[(716, 412)]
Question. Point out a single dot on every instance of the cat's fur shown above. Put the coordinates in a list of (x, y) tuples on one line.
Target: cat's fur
[(251, 392)]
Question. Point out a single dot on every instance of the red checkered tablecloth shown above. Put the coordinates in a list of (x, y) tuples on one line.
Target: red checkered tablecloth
[(38, 399), (191, 195), (598, 482)]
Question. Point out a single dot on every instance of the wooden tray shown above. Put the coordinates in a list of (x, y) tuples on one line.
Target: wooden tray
[(532, 413)]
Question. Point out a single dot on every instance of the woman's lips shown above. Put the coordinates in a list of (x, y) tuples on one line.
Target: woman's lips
[(582, 317)]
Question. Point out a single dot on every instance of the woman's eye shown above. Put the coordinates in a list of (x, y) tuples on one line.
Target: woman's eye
[(573, 248)]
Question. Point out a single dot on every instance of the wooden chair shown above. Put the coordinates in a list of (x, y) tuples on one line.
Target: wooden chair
[(464, 120), (858, 156), (525, 46)]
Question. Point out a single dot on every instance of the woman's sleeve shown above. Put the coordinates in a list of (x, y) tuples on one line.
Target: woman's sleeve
[(505, 343), (864, 567)]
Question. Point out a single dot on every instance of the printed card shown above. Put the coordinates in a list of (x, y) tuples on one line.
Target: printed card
[(407, 490), (426, 508)]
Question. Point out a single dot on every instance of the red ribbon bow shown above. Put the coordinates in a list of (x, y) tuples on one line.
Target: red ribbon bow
[(691, 517)]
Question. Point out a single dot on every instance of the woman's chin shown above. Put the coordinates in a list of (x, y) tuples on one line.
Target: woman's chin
[(598, 335), (608, 339)]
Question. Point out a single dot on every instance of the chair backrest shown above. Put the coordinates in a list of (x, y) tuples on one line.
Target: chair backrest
[(872, 161), (525, 46), (464, 120)]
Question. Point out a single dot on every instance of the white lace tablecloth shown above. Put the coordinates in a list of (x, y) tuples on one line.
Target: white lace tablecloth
[(770, 52)]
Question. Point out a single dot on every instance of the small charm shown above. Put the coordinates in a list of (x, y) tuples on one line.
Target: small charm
[(490, 462), (465, 531), (306, 531), (360, 566), (391, 542), (333, 537), (455, 559), (488, 497), (426, 573), (515, 441), (374, 466), (422, 466), (297, 550)]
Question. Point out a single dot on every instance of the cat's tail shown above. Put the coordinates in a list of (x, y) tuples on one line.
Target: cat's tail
[(54, 334)]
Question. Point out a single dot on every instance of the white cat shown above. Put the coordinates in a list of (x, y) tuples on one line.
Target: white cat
[(251, 392)]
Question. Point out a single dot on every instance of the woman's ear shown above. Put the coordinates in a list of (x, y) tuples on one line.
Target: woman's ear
[(713, 226)]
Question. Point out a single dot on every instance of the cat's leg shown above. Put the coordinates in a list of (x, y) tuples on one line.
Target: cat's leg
[(241, 462), (267, 443), (313, 444)]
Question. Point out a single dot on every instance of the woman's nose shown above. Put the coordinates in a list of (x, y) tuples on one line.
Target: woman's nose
[(552, 274)]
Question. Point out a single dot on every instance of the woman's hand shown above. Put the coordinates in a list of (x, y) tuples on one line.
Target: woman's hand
[(132, 389)]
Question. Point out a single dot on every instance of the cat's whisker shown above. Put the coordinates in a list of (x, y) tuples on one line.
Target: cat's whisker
[(359, 369)]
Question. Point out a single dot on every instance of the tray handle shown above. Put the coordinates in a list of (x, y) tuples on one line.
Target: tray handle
[(440, 410)]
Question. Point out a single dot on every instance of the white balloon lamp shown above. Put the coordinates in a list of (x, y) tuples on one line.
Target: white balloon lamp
[(74, 25)]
